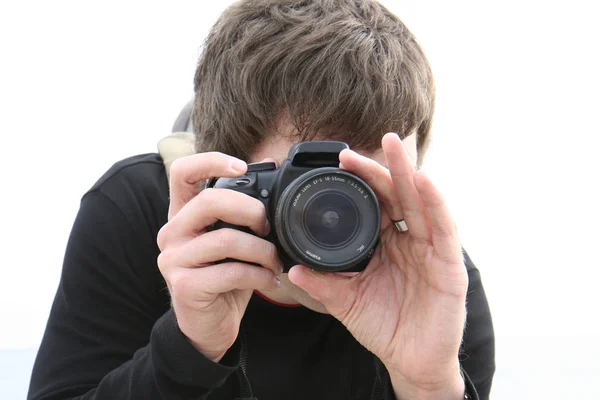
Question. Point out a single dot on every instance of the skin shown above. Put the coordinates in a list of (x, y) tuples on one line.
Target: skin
[(407, 307)]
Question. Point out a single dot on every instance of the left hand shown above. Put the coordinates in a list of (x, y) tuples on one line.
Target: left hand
[(408, 306)]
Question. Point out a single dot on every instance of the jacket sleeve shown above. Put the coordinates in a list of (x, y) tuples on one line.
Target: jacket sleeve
[(478, 349), (107, 336)]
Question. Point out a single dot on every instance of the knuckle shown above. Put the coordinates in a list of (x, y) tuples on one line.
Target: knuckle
[(256, 212), (180, 285), (259, 209), (178, 167), (237, 274), (163, 236), (269, 251), (164, 260), (223, 239)]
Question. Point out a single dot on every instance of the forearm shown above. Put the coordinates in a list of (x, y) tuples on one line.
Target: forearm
[(168, 367)]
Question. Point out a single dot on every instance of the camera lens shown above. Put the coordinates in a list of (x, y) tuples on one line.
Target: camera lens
[(328, 219), (331, 219)]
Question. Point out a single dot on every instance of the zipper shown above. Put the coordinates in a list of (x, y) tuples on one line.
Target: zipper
[(377, 392), (244, 382)]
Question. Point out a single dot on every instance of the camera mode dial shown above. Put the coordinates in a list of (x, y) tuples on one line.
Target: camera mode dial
[(259, 167)]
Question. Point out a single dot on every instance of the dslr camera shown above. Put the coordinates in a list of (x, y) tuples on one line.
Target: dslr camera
[(320, 215)]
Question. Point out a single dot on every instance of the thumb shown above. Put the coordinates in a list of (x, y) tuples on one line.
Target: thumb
[(335, 291)]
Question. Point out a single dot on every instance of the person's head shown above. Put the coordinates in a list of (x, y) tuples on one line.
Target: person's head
[(299, 70), (277, 72)]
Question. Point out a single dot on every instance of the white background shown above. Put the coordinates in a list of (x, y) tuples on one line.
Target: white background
[(515, 151)]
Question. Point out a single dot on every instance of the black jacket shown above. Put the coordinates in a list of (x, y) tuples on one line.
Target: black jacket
[(112, 335)]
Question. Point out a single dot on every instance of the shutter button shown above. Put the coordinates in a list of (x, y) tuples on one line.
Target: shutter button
[(242, 182)]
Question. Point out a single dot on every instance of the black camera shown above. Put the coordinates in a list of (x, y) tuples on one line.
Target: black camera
[(321, 216)]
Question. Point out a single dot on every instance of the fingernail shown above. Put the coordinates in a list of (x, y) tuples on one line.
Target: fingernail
[(238, 165), (394, 134)]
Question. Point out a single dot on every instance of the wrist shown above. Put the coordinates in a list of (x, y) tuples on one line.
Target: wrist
[(214, 356), (452, 388)]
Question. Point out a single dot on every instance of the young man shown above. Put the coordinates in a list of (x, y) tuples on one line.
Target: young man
[(145, 310)]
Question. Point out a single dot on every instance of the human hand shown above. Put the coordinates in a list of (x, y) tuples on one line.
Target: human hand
[(209, 299), (408, 306)]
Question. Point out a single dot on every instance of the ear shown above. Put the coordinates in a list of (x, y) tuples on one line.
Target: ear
[(178, 144)]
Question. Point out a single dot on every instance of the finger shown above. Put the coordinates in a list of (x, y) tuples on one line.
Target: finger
[(336, 292), (222, 244), (220, 278), (225, 205), (376, 176), (444, 236), (402, 172), (187, 174)]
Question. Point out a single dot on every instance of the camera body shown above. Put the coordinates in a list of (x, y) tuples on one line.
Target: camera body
[(320, 216)]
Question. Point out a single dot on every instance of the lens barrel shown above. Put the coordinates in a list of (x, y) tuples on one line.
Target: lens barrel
[(328, 219)]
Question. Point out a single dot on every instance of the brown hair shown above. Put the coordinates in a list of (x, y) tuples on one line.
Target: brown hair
[(342, 69)]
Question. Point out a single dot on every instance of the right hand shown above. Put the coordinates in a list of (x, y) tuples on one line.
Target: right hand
[(209, 299)]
